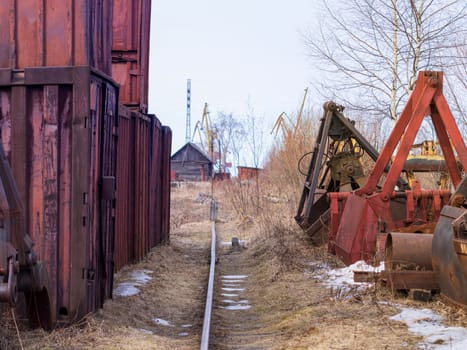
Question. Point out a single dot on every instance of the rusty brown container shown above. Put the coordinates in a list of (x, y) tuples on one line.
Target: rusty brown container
[(36, 33), (165, 182), (58, 130), (130, 51), (155, 205), (139, 196), (142, 205), (123, 219)]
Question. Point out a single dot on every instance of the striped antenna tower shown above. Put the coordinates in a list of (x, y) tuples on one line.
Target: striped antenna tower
[(188, 111)]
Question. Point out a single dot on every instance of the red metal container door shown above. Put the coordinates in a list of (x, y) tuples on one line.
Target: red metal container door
[(100, 201), (107, 187), (141, 184), (123, 217), (165, 182), (155, 202)]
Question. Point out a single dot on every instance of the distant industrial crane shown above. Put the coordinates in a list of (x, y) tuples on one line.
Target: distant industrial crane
[(281, 124), (211, 134), (299, 117), (204, 127), (288, 127)]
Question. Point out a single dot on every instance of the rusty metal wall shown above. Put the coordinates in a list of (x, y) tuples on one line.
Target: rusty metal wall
[(155, 218), (37, 33), (140, 195), (123, 219), (143, 186), (57, 128), (130, 51), (165, 182)]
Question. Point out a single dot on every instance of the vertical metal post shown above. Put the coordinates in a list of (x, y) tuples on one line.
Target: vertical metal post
[(188, 111)]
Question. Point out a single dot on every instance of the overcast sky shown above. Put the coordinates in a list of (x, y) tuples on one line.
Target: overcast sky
[(236, 53)]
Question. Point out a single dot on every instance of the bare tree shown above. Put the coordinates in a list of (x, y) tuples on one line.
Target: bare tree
[(370, 51), (227, 129), (255, 138)]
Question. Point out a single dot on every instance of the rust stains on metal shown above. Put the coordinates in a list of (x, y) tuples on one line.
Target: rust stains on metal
[(56, 33), (59, 139), (143, 188), (130, 51), (368, 211), (449, 259)]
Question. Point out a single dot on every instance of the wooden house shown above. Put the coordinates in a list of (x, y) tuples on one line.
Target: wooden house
[(191, 163)]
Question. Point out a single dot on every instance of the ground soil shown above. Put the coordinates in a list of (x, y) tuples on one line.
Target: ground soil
[(290, 306)]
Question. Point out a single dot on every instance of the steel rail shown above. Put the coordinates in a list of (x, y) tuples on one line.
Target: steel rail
[(209, 296)]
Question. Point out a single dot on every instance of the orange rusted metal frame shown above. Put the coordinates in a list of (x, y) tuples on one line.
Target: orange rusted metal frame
[(426, 99), (368, 212)]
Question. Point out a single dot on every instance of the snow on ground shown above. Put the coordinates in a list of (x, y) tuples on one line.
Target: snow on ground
[(136, 278), (428, 324), (423, 322), (341, 278), (163, 322)]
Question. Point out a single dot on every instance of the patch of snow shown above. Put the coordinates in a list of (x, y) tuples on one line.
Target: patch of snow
[(162, 322), (233, 289), (236, 307), (426, 323), (145, 331), (125, 290), (423, 322), (233, 281), (342, 277), (137, 278), (228, 301), (229, 295), (187, 325), (183, 334), (141, 276), (234, 277)]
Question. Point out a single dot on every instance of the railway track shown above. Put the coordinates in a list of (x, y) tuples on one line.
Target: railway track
[(231, 320)]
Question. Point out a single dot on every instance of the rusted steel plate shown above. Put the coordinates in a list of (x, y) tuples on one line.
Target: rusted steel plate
[(155, 203), (165, 178), (408, 251), (404, 280), (141, 127), (366, 276), (449, 266), (143, 186), (123, 219), (59, 140), (56, 33), (130, 51)]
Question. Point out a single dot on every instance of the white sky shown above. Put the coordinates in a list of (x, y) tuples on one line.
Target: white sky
[(235, 52)]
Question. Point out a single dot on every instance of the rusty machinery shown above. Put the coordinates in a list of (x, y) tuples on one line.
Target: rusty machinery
[(449, 248), (335, 166), (20, 270), (358, 218)]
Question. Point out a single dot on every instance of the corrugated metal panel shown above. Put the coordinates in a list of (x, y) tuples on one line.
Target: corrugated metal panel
[(130, 51), (37, 33), (141, 127), (60, 143), (165, 178), (155, 203), (124, 221), (143, 186)]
